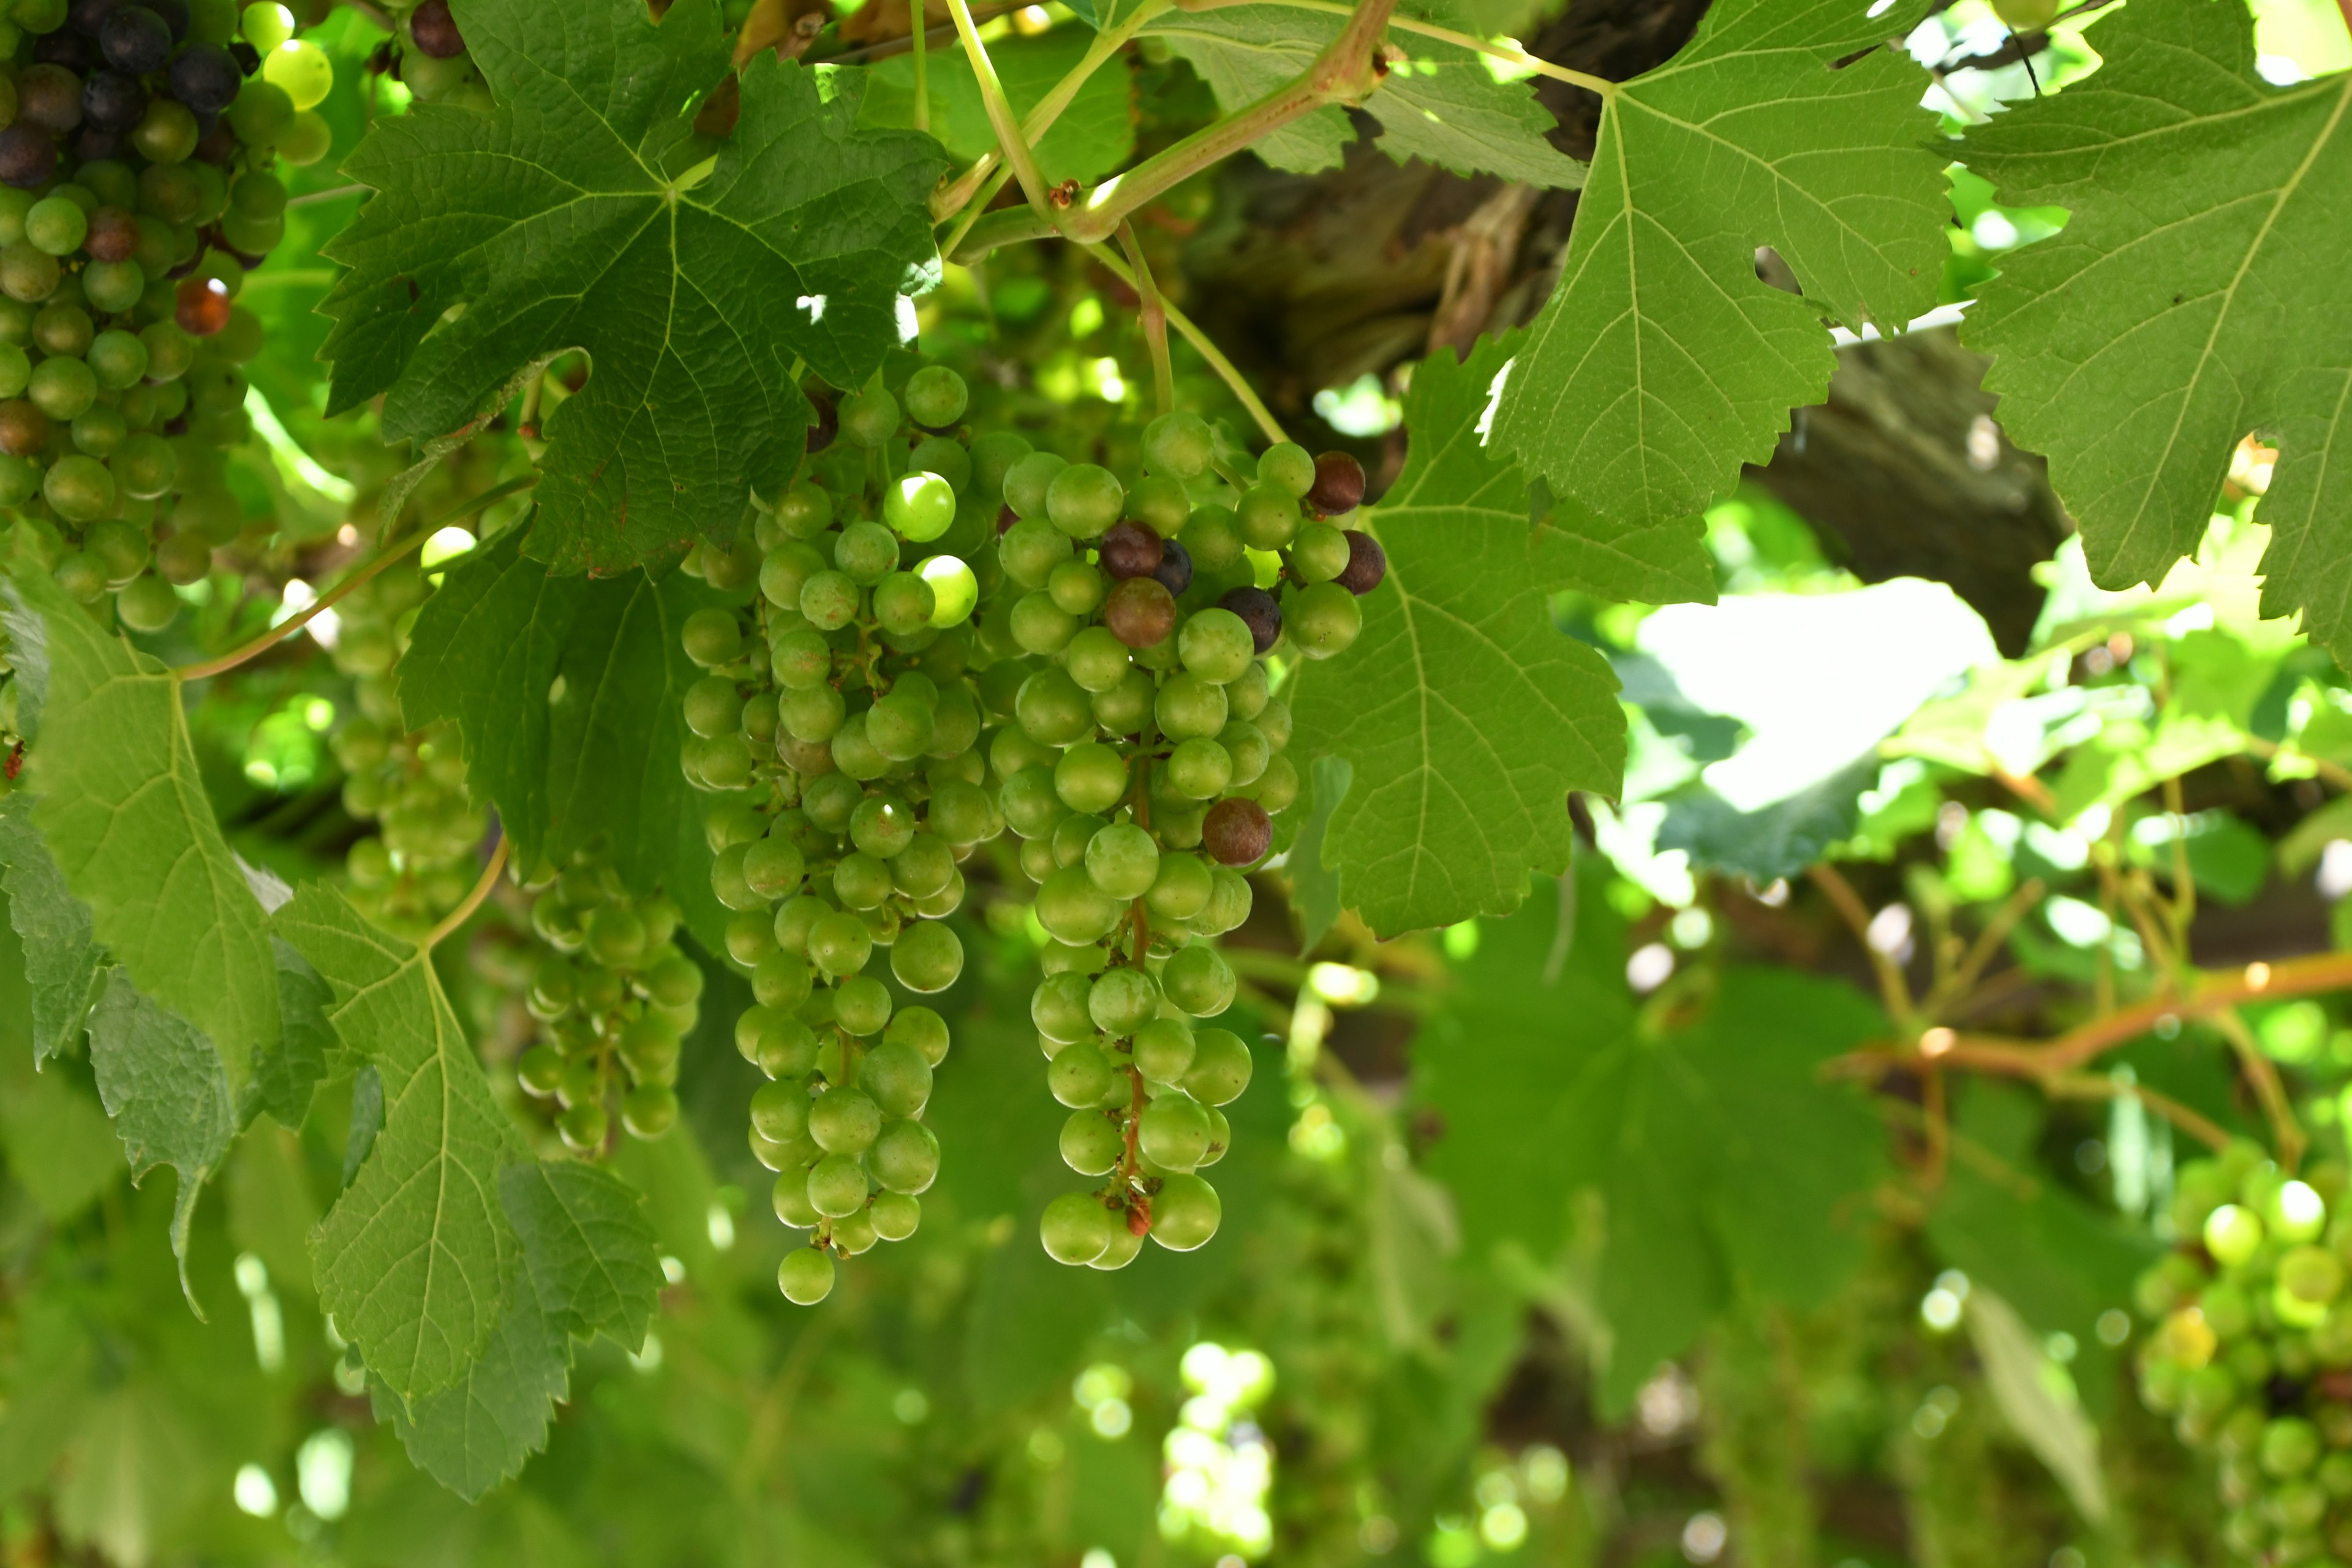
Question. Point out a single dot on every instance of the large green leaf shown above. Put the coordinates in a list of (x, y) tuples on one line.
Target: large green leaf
[(1661, 362), (163, 1081), (583, 212), (413, 1258), (61, 955), (1092, 137), (1717, 1157), (1438, 102), (1467, 714), (2194, 297), (566, 694), (124, 814)]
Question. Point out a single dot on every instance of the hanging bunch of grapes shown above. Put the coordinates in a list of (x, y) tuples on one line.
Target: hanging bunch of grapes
[(613, 996), (137, 144), (2252, 1353)]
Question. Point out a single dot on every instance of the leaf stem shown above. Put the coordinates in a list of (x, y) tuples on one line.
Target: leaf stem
[(482, 885), (1506, 52), (1892, 989), (384, 557), (973, 213), (1154, 311), (1225, 369), (916, 32), (1009, 136)]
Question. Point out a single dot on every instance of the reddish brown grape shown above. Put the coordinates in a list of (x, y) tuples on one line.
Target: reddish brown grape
[(1139, 612), (1237, 832), (1367, 563), (1259, 611), (1338, 484), (1132, 550), (435, 31), (24, 428), (202, 307), (114, 234), (48, 97), (28, 156)]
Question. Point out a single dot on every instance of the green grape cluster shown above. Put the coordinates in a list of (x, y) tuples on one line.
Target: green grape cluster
[(137, 146), (1140, 769), (840, 718), (421, 862), (613, 998), (2252, 1356)]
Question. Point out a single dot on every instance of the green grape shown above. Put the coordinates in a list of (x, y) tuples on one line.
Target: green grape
[(1174, 1132), (1084, 500), (1076, 1228), (1288, 468), (805, 1275)]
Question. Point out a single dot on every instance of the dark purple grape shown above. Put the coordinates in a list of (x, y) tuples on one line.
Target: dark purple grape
[(114, 234), (112, 101), (247, 58), (205, 76), (1338, 484), (435, 31), (1237, 832), (92, 144), (1367, 563), (1259, 611), (1132, 550), (1175, 570), (61, 48), (88, 17), (1005, 518), (49, 97), (174, 14), (135, 40), (825, 426), (28, 158)]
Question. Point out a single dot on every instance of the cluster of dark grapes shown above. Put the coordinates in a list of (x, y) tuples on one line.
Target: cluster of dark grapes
[(421, 863), (136, 144), (613, 999), (839, 700), (433, 62), (2252, 1355), (1141, 769)]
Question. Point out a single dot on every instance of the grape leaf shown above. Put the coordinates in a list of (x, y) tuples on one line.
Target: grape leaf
[(1315, 891), (61, 955), (1716, 1152), (582, 212), (163, 1082), (1467, 715), (1662, 362), (566, 694), (123, 810), (285, 1075), (2195, 296), (413, 1258), (586, 1265), (1439, 103), (1093, 136), (1772, 841), (61, 1149)]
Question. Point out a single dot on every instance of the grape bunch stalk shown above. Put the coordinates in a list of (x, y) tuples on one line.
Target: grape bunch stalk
[(1141, 770), (418, 866), (839, 718), (2252, 1353), (138, 141), (613, 999)]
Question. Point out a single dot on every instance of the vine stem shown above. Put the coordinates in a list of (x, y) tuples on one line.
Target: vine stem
[(1892, 988), (1225, 369), (2261, 1071), (482, 885), (999, 111), (1155, 320), (1508, 52), (384, 557), (917, 30)]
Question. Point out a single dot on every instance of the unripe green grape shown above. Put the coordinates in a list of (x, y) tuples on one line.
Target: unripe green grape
[(1079, 1074), (1030, 549), (882, 824), (266, 25), (115, 287), (843, 1121), (1051, 709), (867, 551), (1185, 1213), (861, 1005), (955, 729), (539, 1069), (894, 1216), (55, 226), (1071, 835), (1069, 906), (1278, 786), (82, 490), (2233, 1235), (1040, 626), (1215, 646), (713, 707), (903, 603), (788, 1048), (896, 1075), (1091, 777), (839, 945), (733, 567), (1287, 466), (117, 359), (1124, 1246), (263, 109), (302, 70), (959, 812), (1077, 586), (804, 512), (812, 714), (1030, 806), (993, 456), (920, 507), (800, 660), (955, 590), (1267, 518), (616, 937), (649, 1050), (62, 388), (1084, 500), (922, 1028), (1096, 660), (805, 1275), (1181, 889), (1319, 553), (583, 1127), (1178, 444), (923, 867), (1123, 1001), (1199, 769), (711, 637), (146, 605), (906, 1158), (1221, 1066), (1212, 538), (721, 761), (1159, 504), (1190, 707), (1027, 482), (945, 456), (900, 727), (1163, 1050), (831, 801), (861, 881), (1323, 620), (1174, 1132), (830, 600), (870, 418), (854, 753), (2311, 1274), (781, 981), (1122, 709), (1092, 1142), (2290, 1445), (1076, 1228), (1059, 1008), (779, 1112), (790, 1200), (1123, 861)]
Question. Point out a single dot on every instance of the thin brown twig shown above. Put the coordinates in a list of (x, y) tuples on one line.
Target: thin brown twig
[(482, 885), (2093, 1086), (1154, 314), (1892, 989), (2286, 1131), (1988, 942)]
